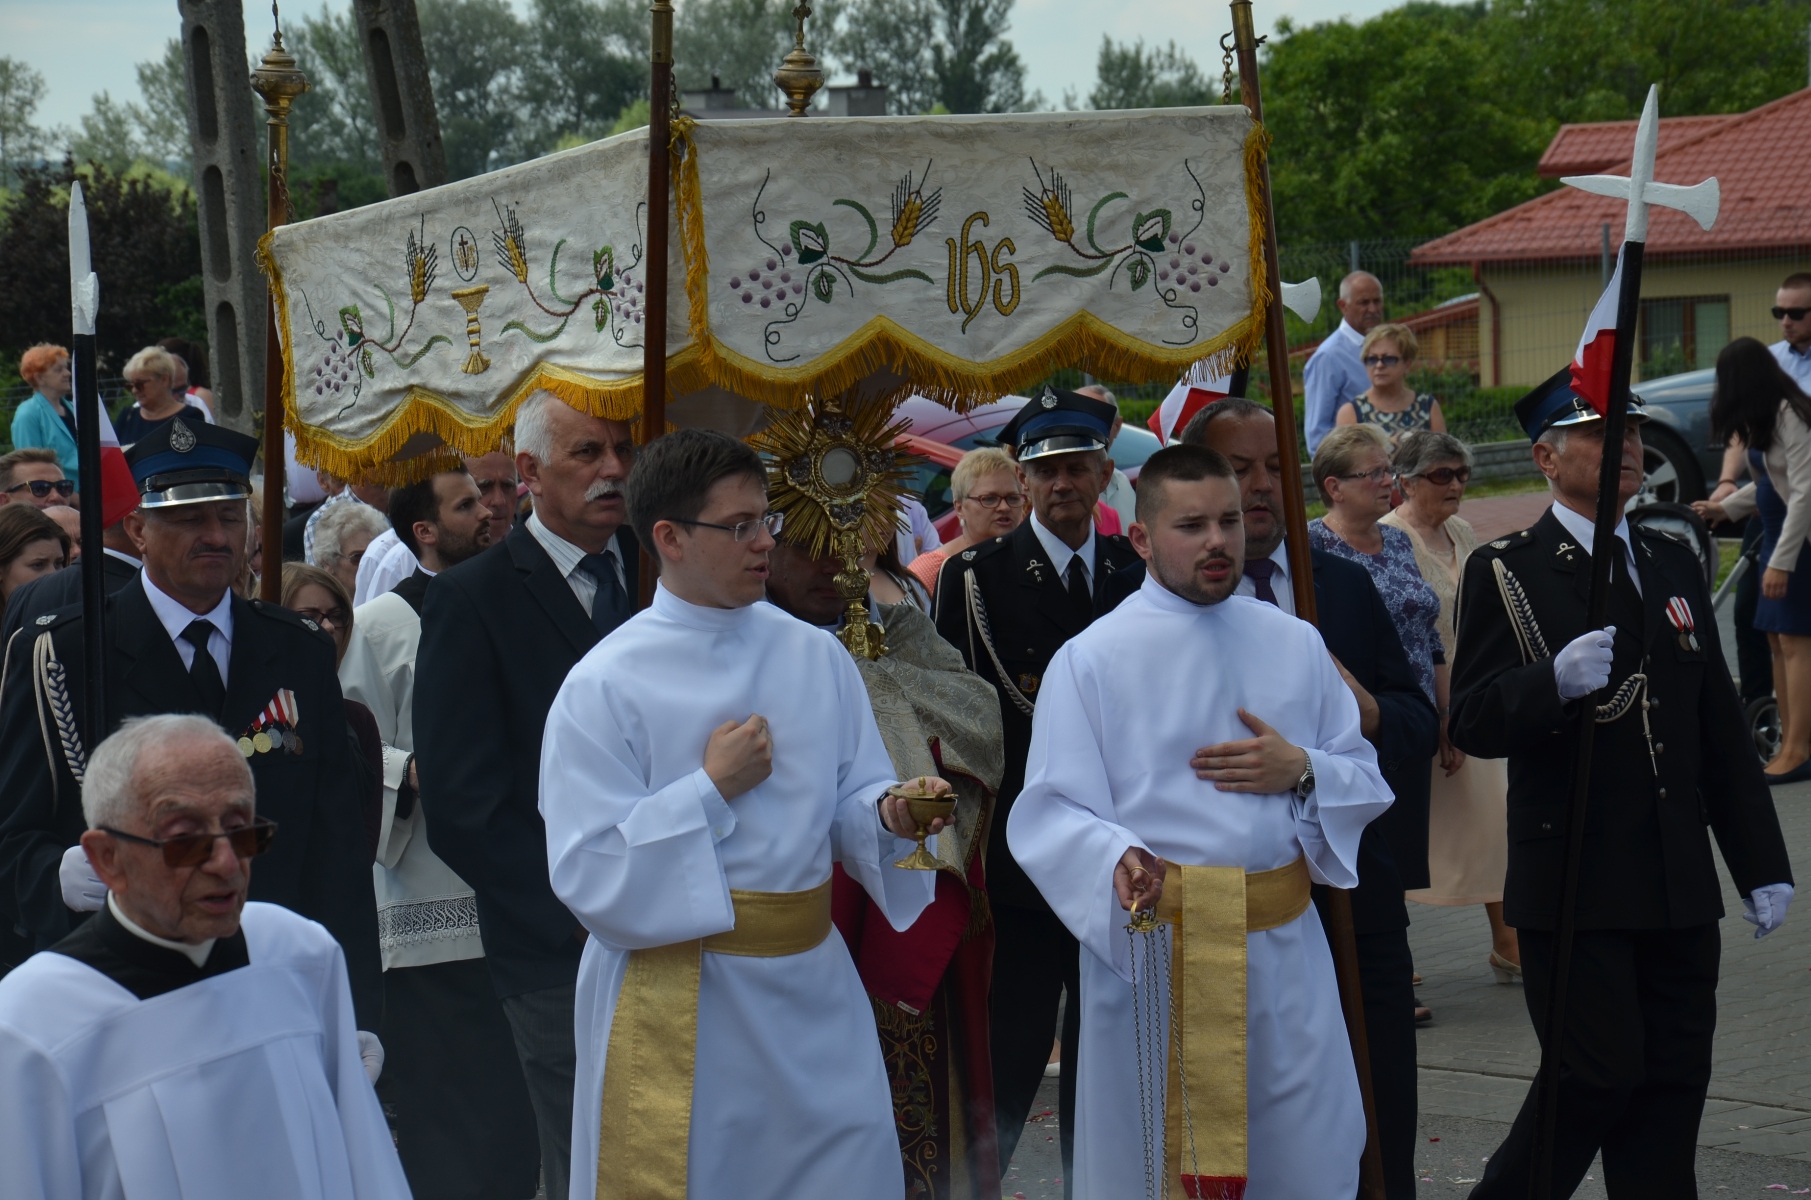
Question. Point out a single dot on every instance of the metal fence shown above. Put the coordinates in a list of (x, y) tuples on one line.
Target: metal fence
[(114, 394)]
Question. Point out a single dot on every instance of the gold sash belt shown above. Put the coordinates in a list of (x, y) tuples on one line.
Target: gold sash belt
[(1211, 910), (646, 1115)]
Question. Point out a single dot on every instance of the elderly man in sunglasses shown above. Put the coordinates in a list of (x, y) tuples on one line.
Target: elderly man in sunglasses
[(183, 1042), (34, 477)]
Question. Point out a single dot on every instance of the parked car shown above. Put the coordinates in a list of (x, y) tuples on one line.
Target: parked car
[(981, 426), (1682, 453)]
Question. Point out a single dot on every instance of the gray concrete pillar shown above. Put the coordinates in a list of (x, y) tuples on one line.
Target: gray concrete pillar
[(408, 128), (229, 187)]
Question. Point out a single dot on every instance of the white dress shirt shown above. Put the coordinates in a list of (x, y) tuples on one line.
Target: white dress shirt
[(175, 618), (1585, 530), (134, 563), (1279, 582), (1797, 363), (568, 557), (1060, 553)]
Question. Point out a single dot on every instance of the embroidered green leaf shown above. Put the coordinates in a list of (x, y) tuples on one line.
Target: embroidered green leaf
[(353, 322), (1139, 271), (873, 229), (532, 336), (823, 284), (1149, 229), (439, 339), (603, 265), (812, 241), (1078, 272), (1094, 215), (889, 277)]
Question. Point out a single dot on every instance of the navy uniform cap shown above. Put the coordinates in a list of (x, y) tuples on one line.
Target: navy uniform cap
[(1054, 422), (1554, 405), (186, 461)]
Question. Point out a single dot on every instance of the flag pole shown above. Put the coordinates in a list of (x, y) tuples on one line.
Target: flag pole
[(84, 303), (1340, 933), (654, 337)]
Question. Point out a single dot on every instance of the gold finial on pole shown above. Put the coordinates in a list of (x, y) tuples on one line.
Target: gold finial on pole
[(799, 75), (279, 82)]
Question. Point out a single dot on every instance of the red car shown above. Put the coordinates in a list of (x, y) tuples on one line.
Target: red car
[(941, 437)]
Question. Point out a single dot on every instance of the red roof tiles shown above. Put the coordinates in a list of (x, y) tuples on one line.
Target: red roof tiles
[(1763, 170), (1595, 148)]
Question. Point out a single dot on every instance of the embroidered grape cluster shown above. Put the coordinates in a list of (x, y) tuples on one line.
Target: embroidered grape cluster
[(770, 281), (335, 368), (1191, 265), (629, 298)]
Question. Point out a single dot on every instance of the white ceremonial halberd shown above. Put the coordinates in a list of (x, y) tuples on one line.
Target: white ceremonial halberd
[(246, 1083), (790, 1096), (1120, 712)]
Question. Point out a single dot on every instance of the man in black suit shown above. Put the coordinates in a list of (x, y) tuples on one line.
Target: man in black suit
[(499, 632), (1671, 757), (179, 640), (1008, 605)]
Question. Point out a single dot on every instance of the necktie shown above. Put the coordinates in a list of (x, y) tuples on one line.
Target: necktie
[(1260, 571), (1625, 601), (610, 607), (204, 672), (1076, 580)]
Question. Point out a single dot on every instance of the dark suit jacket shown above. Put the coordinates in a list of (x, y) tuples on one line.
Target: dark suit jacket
[(1031, 616), (1647, 861), (57, 590), (320, 863), (499, 632), (1356, 626)]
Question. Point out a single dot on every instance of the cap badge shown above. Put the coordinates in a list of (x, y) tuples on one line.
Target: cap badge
[(1049, 400), (46, 619), (182, 438)]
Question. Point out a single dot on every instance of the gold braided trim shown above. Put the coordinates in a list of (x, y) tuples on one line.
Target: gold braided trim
[(1211, 910), (645, 1119)]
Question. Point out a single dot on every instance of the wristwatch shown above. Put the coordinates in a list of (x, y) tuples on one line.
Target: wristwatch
[(1305, 784)]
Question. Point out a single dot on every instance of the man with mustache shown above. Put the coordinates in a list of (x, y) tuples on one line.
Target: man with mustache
[(1122, 810), (498, 635), (178, 640)]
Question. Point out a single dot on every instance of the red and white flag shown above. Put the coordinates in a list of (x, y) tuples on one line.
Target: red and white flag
[(1591, 365), (1186, 399), (119, 493)]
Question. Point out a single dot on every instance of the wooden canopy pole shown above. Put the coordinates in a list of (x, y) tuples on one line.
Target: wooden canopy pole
[(1301, 575), (654, 339), (279, 82)]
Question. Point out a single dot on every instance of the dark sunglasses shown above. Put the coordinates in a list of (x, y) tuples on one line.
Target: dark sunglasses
[(43, 487), (1382, 360), (1441, 476), (193, 849), (1797, 314)]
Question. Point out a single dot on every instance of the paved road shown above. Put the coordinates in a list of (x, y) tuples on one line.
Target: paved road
[(1479, 1054)]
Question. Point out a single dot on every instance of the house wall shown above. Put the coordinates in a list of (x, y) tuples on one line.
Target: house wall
[(1541, 310)]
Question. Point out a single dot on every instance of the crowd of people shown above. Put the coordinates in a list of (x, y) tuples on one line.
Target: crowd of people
[(570, 869)]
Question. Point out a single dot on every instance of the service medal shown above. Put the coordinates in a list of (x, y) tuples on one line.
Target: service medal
[(1679, 614), (292, 743), (261, 742), (246, 747)]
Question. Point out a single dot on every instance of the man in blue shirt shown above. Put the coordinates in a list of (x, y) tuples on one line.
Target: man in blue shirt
[(1333, 374), (1792, 309)]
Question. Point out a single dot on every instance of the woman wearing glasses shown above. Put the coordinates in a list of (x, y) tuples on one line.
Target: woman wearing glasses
[(1390, 403), (989, 502), (152, 375), (1468, 848)]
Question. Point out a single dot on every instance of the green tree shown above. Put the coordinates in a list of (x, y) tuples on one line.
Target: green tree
[(1130, 76), (475, 51), (590, 62), (739, 42), (108, 135), (952, 53), (976, 67), (163, 120), (333, 121), (21, 91)]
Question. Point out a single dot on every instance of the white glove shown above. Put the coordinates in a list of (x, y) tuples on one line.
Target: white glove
[(1584, 665), (1765, 909), (372, 1052), (83, 890)]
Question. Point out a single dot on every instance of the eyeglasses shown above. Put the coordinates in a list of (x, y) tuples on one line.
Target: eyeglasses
[(136, 384), (742, 530), (1797, 314), (43, 487), (1014, 501), (338, 618), (1379, 476), (1382, 360), (193, 849), (1442, 476)]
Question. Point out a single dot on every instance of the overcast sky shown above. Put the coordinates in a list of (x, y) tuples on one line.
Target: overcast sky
[(87, 46)]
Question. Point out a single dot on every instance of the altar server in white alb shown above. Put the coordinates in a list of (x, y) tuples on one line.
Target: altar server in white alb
[(702, 768), (1196, 752), (181, 1042)]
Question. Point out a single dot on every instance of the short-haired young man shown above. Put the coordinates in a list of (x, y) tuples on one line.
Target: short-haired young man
[(33, 476), (702, 769), (1113, 813)]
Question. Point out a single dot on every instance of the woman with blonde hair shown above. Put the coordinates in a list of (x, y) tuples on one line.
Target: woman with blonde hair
[(43, 421), (1390, 403), (1468, 835), (152, 375), (989, 504)]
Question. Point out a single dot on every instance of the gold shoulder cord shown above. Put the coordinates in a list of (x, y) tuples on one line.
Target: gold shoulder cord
[(977, 612)]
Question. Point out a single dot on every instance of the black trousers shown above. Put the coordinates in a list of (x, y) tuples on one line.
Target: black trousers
[(1035, 961), (1640, 1014), (1386, 973), (542, 1024), (1754, 658), (464, 1127)]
